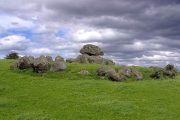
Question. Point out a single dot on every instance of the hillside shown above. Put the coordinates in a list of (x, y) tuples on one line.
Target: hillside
[(67, 95)]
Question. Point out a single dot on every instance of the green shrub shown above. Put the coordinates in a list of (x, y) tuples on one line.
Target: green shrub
[(12, 55)]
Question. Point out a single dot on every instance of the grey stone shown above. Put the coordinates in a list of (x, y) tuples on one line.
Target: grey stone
[(126, 72), (86, 59), (130, 73), (102, 71), (49, 59), (41, 65), (114, 76), (31, 59), (84, 72), (24, 63), (14, 65), (59, 59), (58, 66), (156, 75), (91, 50)]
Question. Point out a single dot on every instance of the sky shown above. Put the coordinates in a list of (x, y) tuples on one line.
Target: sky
[(131, 32)]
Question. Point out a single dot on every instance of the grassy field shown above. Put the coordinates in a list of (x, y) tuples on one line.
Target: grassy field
[(69, 96)]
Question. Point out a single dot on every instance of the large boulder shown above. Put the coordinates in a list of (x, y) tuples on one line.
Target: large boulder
[(110, 73), (101, 71), (58, 66), (108, 62), (84, 72), (31, 59), (86, 59), (156, 75), (49, 59), (169, 67), (83, 59), (59, 59), (91, 50), (14, 65), (130, 73), (137, 75), (114, 76), (24, 63), (126, 72), (169, 71), (41, 65)]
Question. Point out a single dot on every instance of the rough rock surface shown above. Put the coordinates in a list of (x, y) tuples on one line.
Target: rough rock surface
[(114, 76), (156, 75), (31, 59), (24, 63), (127, 72), (110, 73), (91, 54), (49, 59), (58, 66), (169, 71), (14, 65), (84, 72), (86, 59), (91, 50), (41, 65), (103, 71), (59, 59)]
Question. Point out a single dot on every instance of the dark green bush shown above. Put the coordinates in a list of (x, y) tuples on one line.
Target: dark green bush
[(12, 55)]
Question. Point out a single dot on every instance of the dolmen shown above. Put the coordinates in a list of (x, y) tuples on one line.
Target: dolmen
[(91, 54)]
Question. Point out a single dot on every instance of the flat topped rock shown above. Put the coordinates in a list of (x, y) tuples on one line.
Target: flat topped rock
[(91, 50)]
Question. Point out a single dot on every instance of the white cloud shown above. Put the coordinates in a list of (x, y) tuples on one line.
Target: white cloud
[(39, 51), (10, 21), (14, 42), (158, 58), (95, 34)]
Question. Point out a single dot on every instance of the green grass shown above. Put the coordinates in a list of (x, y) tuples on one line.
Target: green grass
[(69, 96)]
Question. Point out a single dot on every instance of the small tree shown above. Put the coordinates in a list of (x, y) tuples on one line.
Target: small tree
[(12, 55)]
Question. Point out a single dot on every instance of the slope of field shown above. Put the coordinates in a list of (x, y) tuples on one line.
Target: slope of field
[(69, 96)]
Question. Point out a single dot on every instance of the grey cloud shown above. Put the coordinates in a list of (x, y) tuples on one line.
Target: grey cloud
[(154, 24)]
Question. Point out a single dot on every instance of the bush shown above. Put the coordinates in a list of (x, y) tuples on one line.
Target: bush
[(12, 55)]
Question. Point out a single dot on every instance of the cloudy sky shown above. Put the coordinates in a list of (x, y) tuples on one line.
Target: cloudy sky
[(131, 32)]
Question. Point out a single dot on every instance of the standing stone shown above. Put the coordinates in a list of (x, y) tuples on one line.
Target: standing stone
[(49, 59), (101, 71), (31, 59), (58, 66), (59, 59), (24, 63), (126, 72), (169, 71), (138, 75), (83, 59), (14, 66), (40, 65), (156, 75), (112, 75)]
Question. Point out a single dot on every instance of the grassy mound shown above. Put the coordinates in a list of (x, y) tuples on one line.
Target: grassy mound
[(69, 96)]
